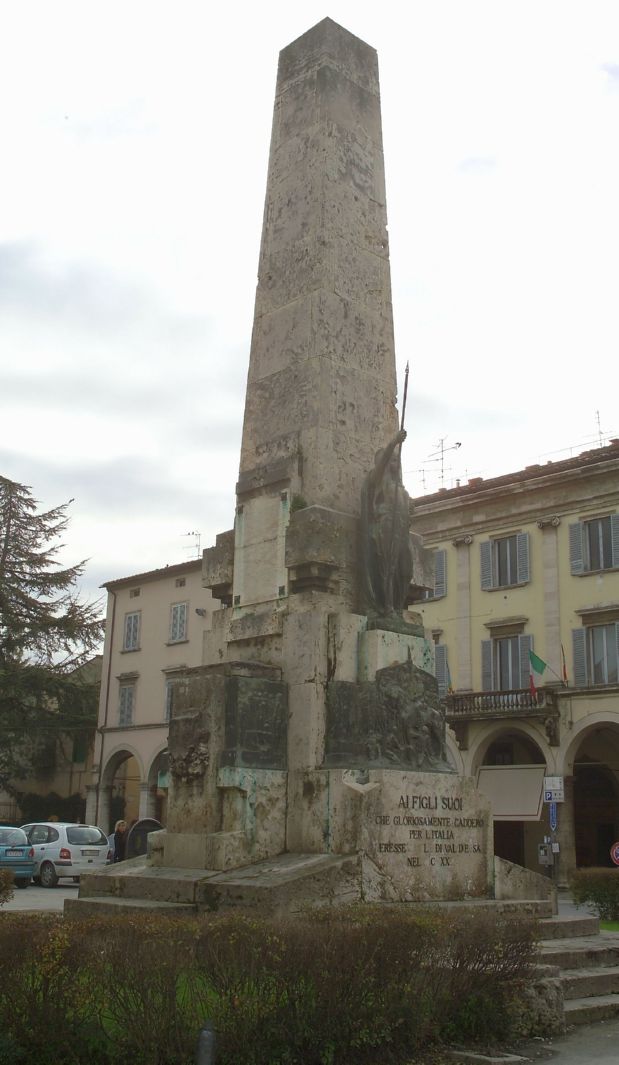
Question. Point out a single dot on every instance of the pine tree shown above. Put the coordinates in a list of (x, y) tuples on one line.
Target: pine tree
[(46, 634)]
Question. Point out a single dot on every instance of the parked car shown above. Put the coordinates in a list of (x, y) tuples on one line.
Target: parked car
[(17, 855), (66, 850)]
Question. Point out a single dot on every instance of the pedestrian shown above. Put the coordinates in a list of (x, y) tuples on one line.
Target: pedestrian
[(118, 841)]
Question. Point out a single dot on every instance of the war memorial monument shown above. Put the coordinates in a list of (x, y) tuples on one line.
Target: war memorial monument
[(307, 753)]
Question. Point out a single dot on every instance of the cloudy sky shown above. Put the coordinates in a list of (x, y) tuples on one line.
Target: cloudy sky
[(135, 139)]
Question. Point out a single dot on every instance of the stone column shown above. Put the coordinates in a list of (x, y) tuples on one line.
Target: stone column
[(463, 680), (565, 833), (91, 804), (147, 802), (105, 805)]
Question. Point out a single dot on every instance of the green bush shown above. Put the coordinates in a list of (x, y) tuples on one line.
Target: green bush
[(599, 888), (324, 988), (7, 888)]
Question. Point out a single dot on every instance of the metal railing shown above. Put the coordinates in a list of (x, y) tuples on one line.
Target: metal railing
[(499, 703)]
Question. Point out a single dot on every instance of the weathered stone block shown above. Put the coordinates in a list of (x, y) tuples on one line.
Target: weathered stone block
[(379, 649), (344, 633), (218, 566), (321, 549)]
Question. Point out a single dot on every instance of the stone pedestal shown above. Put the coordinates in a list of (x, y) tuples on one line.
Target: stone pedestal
[(421, 836)]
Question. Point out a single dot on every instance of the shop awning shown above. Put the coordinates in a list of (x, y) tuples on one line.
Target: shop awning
[(515, 791)]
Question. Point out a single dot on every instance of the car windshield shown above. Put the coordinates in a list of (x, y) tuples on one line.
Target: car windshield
[(12, 837), (81, 835)]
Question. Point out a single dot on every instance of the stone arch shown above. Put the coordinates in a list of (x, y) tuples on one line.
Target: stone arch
[(516, 748), (156, 785), (120, 786), (480, 748), (591, 772)]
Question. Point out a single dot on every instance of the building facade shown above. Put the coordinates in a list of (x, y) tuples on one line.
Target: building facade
[(154, 632), (524, 613)]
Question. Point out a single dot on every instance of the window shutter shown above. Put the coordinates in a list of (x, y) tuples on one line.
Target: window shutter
[(440, 573), (132, 632), (522, 557), (125, 709), (440, 652), (178, 622), (525, 644), (486, 665), (614, 527), (580, 657), (577, 561), (486, 565)]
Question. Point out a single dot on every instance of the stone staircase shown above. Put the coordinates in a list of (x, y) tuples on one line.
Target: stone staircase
[(586, 961)]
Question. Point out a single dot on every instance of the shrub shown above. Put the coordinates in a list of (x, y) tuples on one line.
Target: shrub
[(7, 887), (322, 988), (600, 889)]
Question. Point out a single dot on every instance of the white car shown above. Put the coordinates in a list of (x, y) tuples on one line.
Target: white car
[(66, 850)]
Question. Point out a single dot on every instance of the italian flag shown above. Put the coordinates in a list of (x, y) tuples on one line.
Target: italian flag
[(536, 668)]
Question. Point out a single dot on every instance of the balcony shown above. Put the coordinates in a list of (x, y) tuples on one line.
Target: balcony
[(464, 707)]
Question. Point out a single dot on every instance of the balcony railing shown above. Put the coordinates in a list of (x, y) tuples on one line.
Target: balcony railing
[(518, 702)]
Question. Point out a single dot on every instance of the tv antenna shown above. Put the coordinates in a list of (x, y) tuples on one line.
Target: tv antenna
[(439, 456), (195, 547)]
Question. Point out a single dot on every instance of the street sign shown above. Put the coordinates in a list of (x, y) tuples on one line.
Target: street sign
[(552, 814), (614, 853), (553, 789)]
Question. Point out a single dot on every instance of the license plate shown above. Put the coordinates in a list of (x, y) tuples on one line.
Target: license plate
[(89, 854), (14, 854)]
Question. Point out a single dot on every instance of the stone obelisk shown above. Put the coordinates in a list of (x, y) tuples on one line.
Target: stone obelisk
[(302, 694), (321, 385)]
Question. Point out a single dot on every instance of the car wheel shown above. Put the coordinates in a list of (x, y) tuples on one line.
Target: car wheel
[(36, 880), (22, 882), (47, 875)]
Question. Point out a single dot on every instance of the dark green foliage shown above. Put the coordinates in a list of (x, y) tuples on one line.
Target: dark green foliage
[(598, 888), (41, 807), (7, 886), (46, 636), (326, 988)]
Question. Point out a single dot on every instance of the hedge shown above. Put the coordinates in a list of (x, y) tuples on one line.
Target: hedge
[(325, 988)]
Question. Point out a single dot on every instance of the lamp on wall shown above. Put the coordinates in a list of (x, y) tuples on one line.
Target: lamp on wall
[(200, 612)]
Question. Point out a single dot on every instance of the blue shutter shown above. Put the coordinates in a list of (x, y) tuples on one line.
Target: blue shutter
[(579, 649), (486, 565), (440, 652), (522, 556), (614, 527), (486, 665), (440, 573), (577, 558), (525, 644)]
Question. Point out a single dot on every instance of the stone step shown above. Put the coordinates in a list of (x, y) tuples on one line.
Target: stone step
[(584, 952), (586, 983), (107, 904), (560, 927), (137, 880), (284, 883), (588, 1010)]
